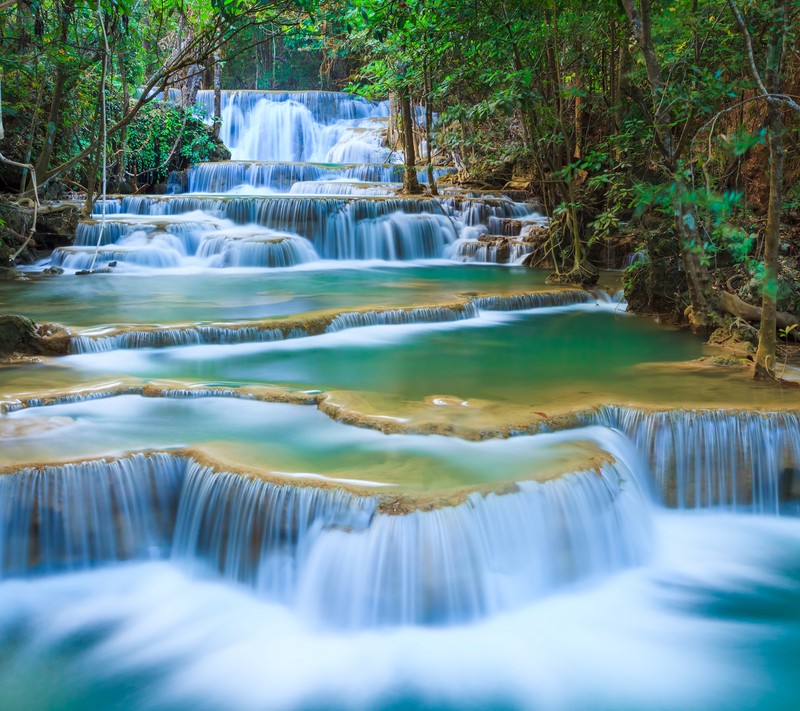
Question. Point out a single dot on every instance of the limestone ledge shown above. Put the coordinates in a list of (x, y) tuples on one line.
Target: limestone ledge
[(437, 415), (392, 500)]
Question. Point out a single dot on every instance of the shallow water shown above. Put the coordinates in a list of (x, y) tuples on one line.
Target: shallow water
[(251, 294), (288, 439)]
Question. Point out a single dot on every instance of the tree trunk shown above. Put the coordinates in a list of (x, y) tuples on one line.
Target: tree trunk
[(123, 138), (429, 132), (765, 352), (217, 94), (410, 182), (53, 122)]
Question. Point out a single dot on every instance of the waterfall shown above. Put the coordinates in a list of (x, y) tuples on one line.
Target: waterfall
[(394, 317), (224, 177), (523, 302), (257, 532), (704, 458), (500, 251), (263, 331), (77, 516), (307, 166), (394, 237), (290, 126), (490, 553), (256, 248), (331, 553)]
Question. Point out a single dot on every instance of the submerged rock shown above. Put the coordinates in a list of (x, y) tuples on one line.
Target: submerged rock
[(21, 336)]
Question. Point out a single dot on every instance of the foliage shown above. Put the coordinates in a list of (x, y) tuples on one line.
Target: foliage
[(166, 137)]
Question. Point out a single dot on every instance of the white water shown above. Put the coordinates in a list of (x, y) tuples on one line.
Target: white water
[(311, 167), (326, 552), (148, 636)]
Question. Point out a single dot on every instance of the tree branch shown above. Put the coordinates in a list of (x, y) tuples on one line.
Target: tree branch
[(784, 99)]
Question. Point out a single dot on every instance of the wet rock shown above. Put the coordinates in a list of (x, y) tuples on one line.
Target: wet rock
[(534, 234), (11, 274), (21, 336), (53, 270), (101, 270)]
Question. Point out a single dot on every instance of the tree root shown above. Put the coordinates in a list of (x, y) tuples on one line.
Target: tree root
[(739, 308)]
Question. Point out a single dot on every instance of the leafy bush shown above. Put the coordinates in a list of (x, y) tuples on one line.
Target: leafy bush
[(166, 137)]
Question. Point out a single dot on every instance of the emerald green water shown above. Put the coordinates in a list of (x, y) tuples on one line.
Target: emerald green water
[(277, 438), (513, 358), (157, 297)]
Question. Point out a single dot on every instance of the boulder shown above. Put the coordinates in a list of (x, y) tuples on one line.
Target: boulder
[(21, 336)]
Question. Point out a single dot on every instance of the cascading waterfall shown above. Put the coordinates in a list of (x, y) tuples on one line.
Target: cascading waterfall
[(291, 150), (490, 553), (246, 247), (522, 302), (502, 251), (263, 331), (703, 458), (329, 552), (287, 126), (77, 516), (257, 532)]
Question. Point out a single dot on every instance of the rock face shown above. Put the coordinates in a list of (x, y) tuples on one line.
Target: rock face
[(21, 336), (55, 226)]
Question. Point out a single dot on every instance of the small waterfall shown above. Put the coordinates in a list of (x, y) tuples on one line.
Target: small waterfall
[(87, 233), (113, 206), (479, 211), (266, 331), (256, 532), (394, 317), (499, 251), (289, 176), (224, 177), (77, 516), (256, 248), (375, 173), (523, 302), (81, 258), (342, 187), (706, 458), (490, 553), (395, 237), (170, 337)]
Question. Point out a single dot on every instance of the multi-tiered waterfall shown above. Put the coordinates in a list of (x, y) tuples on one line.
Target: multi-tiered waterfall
[(383, 479), (311, 178)]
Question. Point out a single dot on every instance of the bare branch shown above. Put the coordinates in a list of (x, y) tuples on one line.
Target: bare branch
[(784, 99)]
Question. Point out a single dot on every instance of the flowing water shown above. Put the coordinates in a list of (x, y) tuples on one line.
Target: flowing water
[(318, 445)]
